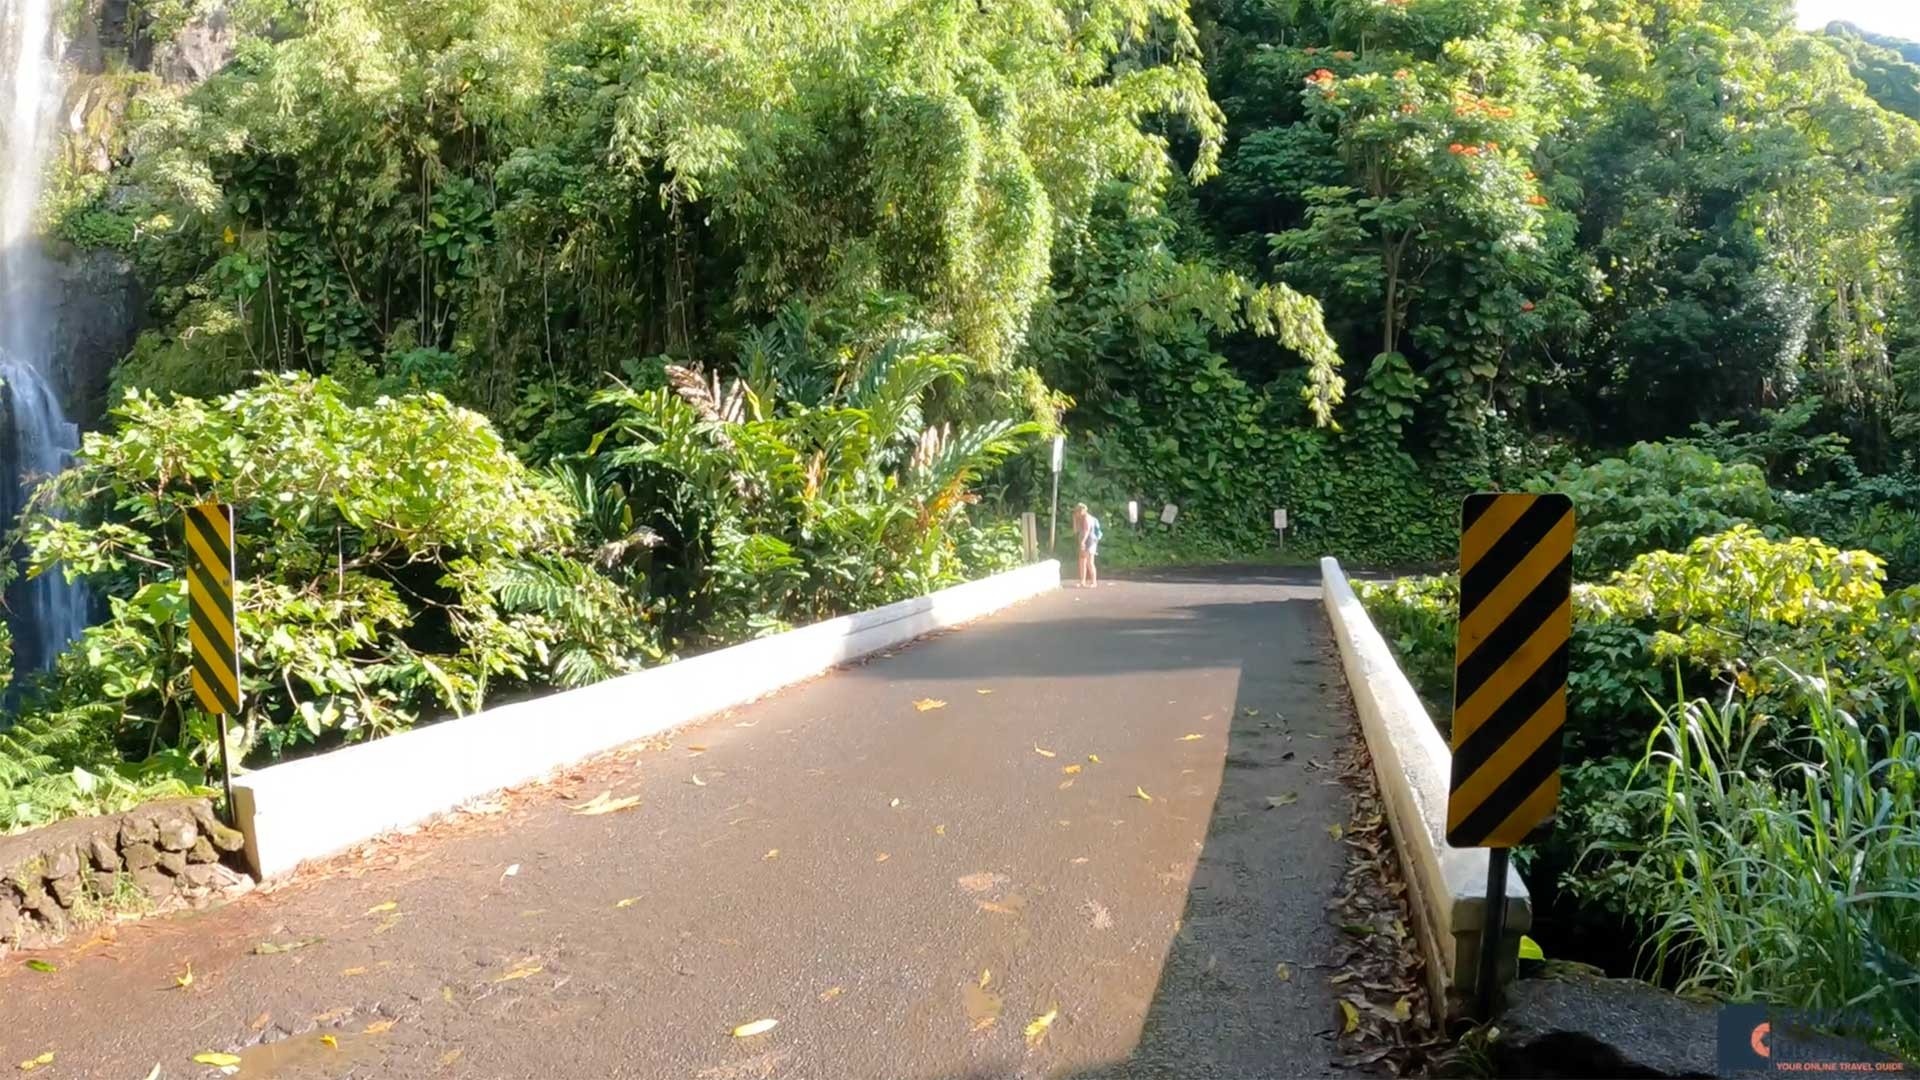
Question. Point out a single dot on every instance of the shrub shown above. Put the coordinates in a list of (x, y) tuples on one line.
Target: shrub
[(1795, 884), (380, 547), (1658, 497)]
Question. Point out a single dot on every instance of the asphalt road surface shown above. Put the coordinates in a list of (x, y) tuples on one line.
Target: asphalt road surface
[(1080, 831)]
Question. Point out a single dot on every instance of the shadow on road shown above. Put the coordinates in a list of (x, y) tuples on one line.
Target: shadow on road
[(1268, 867)]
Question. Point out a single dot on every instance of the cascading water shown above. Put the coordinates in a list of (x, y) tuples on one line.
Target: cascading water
[(36, 439)]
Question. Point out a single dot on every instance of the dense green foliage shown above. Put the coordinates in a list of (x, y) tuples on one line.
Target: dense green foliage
[(537, 340)]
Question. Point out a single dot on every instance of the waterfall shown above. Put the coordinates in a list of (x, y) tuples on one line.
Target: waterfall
[(36, 439)]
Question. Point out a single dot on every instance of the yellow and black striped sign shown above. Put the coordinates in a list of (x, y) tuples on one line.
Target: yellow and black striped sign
[(1510, 667), (216, 646)]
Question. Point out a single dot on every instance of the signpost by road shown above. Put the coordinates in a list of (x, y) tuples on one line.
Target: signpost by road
[(210, 628), (1510, 688)]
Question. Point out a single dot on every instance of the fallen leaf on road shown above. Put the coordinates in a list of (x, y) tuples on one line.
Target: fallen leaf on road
[(832, 992), (215, 1059), (927, 704), (939, 830), (330, 1042), (758, 1027), (185, 979), (1037, 1030), (268, 948), (1286, 799), (895, 802), (986, 976), (997, 909), (1140, 793), (260, 1022), (1335, 831), (41, 966), (983, 881), (1095, 758), (1065, 784), (882, 857), (627, 903), (1283, 972), (511, 871), (605, 803), (521, 973), (697, 782), (353, 971), (772, 853), (1343, 977), (378, 908), (1079, 860), (1403, 1010), (983, 691), (387, 924), (33, 1063), (154, 1074), (1069, 769), (1190, 736), (696, 749), (1249, 712), (1352, 1015), (450, 1057), (1041, 752), (377, 1027)]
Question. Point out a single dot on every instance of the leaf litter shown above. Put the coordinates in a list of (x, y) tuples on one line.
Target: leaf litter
[(1383, 1017)]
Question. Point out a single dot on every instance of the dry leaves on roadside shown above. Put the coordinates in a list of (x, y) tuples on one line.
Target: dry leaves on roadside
[(1042, 752), (1069, 769), (378, 909), (832, 992), (1287, 798), (626, 903), (927, 704), (1037, 1029), (185, 978), (216, 1059), (36, 1062), (521, 972), (1141, 794), (1095, 758), (605, 803), (269, 948), (1191, 736), (756, 1027), (41, 966)]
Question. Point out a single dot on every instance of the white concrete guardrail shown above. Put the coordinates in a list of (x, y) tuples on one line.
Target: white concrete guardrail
[(1413, 766), (317, 806)]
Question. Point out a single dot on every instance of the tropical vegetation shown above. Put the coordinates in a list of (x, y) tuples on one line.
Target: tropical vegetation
[(537, 341)]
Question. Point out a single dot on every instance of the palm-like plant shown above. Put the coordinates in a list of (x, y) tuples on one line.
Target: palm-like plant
[(808, 507)]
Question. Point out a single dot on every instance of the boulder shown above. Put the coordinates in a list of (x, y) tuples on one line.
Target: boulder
[(211, 827), (176, 828), (1581, 1025), (103, 853), (155, 884), (9, 914), (173, 862), (138, 828), (65, 889), (105, 883), (140, 856), (202, 851), (62, 863)]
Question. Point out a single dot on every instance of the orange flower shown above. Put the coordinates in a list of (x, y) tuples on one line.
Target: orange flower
[(1536, 200), (1530, 176), (1343, 55), (1321, 77), (1472, 151), (1406, 108), (1528, 306), (1401, 74), (1456, 148), (1312, 50), (1493, 146)]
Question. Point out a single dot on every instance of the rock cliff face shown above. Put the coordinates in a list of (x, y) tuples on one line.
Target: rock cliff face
[(98, 304)]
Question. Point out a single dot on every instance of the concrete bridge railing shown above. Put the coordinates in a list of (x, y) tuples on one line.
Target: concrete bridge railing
[(1413, 765)]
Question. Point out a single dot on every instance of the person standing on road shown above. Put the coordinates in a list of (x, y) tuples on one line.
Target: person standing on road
[(1087, 528)]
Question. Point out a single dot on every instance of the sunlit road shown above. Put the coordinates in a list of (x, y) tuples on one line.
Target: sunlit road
[(1062, 811)]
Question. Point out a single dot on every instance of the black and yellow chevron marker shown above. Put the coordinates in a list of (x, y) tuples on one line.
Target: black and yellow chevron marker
[(1510, 667), (216, 646)]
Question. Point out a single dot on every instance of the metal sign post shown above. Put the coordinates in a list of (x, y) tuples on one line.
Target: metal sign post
[(1168, 513), (211, 629), (1053, 516), (1280, 525), (1133, 514), (1509, 690)]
